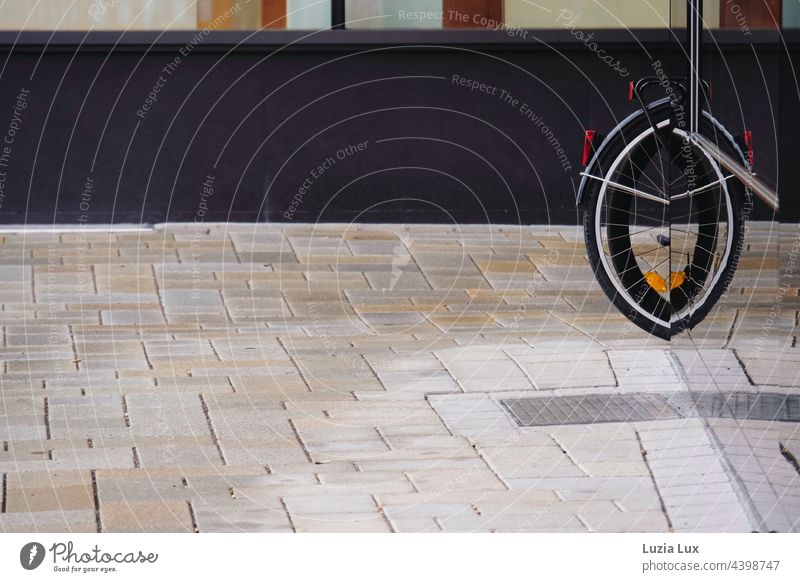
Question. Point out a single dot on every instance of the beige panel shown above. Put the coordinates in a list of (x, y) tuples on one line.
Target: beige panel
[(363, 13), (710, 13), (591, 14), (99, 14), (249, 16)]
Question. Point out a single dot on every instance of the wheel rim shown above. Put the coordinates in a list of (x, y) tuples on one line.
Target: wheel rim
[(683, 242)]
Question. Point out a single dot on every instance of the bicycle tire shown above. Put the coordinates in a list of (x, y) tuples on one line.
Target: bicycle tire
[(660, 309)]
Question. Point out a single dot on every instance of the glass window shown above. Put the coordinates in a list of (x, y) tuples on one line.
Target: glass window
[(227, 15), (577, 13), (164, 14), (388, 14), (571, 14), (307, 14), (393, 13), (510, 14), (791, 14), (745, 15), (750, 14)]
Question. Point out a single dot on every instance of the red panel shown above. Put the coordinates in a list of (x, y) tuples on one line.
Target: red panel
[(472, 13), (750, 14), (273, 13)]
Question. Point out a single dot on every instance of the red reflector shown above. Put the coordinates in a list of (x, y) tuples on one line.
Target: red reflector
[(630, 91), (588, 141), (710, 90), (748, 143)]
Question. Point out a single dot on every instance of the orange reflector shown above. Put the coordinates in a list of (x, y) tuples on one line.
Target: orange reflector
[(676, 279), (656, 281)]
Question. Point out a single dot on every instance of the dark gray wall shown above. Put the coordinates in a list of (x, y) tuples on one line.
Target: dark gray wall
[(259, 113)]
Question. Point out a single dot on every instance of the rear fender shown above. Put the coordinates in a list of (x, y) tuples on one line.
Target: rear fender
[(723, 134)]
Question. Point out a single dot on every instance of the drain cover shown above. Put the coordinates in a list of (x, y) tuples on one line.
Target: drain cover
[(598, 408), (749, 406), (589, 409)]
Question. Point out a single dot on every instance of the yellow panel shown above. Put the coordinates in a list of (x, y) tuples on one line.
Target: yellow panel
[(249, 17), (710, 13), (212, 14)]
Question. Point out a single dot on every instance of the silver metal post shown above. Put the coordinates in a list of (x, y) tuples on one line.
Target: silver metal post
[(694, 25), (756, 186), (694, 48)]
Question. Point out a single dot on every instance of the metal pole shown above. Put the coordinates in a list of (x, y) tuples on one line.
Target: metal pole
[(696, 96), (337, 14), (694, 49)]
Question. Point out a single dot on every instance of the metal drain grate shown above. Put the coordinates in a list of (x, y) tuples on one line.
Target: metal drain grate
[(749, 406), (589, 409), (599, 408)]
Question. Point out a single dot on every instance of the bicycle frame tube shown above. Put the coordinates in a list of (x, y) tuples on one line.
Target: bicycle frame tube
[(743, 174)]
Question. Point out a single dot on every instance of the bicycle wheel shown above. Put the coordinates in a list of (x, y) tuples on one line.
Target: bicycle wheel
[(663, 223)]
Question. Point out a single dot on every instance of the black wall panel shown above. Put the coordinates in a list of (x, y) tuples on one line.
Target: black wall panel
[(273, 123)]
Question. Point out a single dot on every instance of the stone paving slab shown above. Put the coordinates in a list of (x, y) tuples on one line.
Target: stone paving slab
[(310, 378)]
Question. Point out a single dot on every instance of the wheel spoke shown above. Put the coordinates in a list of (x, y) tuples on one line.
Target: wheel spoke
[(629, 190), (662, 211)]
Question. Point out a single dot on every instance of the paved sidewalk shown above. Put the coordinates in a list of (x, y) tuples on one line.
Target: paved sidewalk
[(359, 378)]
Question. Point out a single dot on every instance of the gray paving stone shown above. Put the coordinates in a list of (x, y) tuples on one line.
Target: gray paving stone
[(132, 317), (336, 365), (241, 519), (332, 504), (77, 521)]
